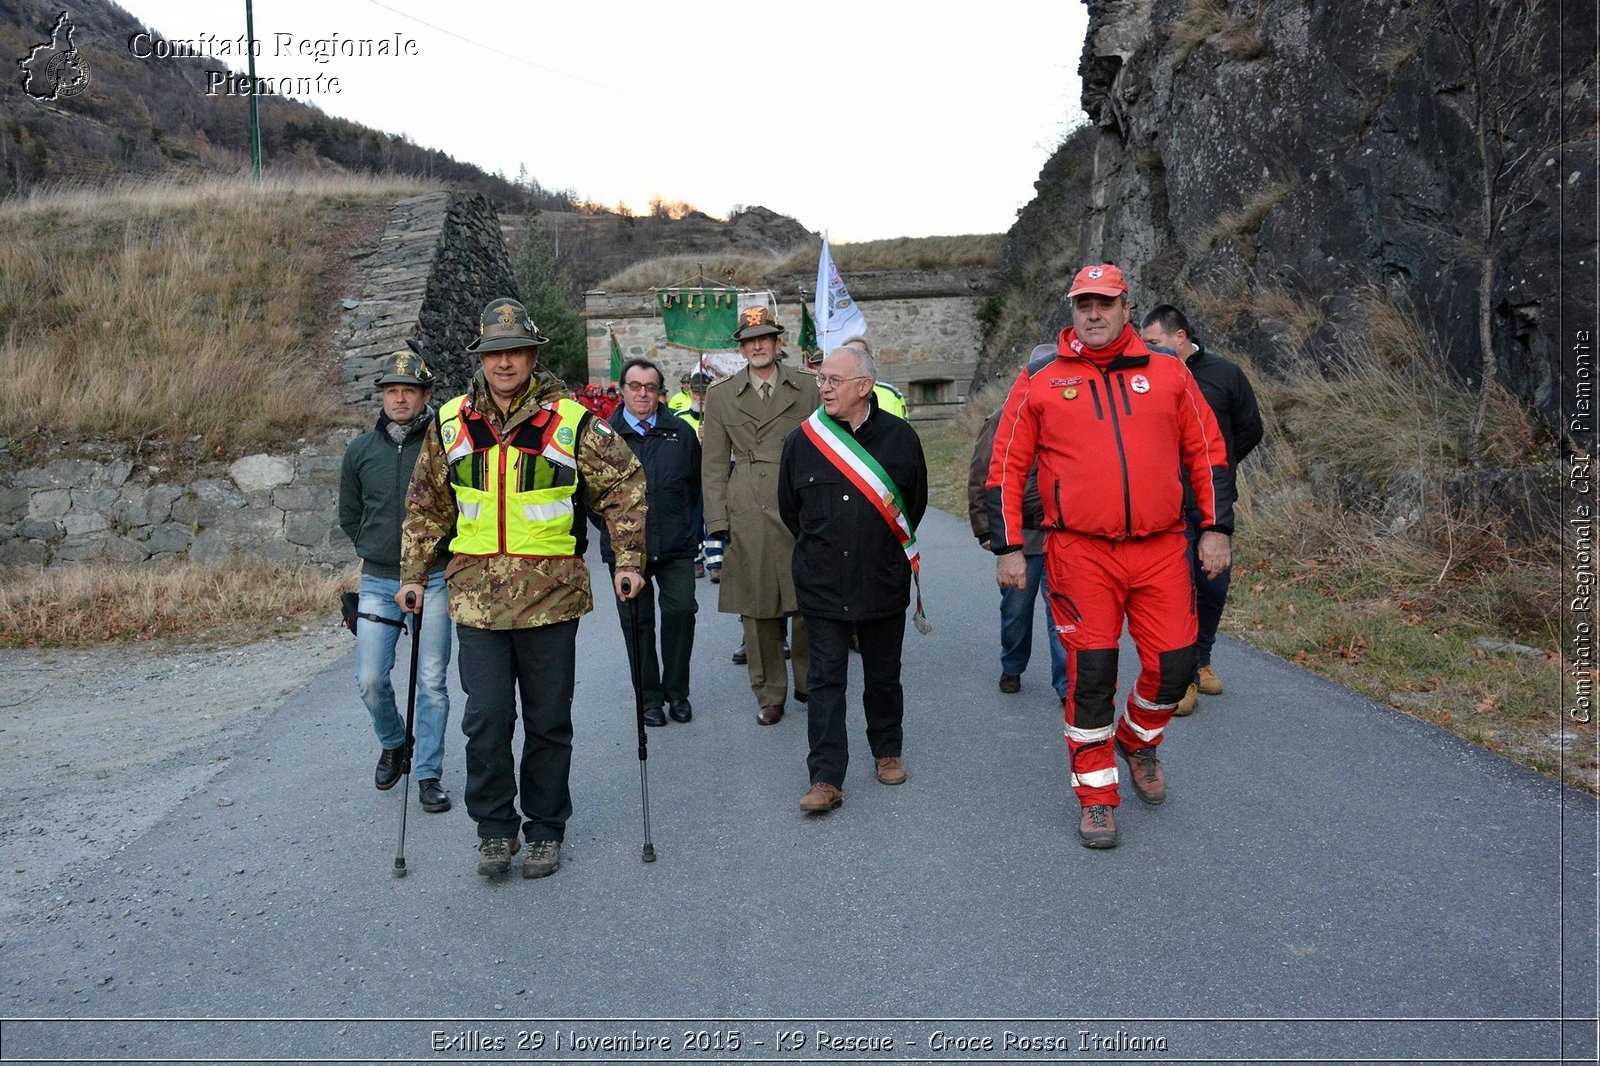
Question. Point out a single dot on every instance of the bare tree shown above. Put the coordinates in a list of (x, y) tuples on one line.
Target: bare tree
[(1510, 97)]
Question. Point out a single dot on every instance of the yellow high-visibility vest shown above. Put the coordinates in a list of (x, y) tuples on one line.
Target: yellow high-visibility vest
[(515, 496), (890, 398)]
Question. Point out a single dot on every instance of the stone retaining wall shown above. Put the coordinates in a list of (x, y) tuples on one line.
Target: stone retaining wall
[(282, 506)]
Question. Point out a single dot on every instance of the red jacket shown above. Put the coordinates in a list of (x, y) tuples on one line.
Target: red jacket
[(1112, 435)]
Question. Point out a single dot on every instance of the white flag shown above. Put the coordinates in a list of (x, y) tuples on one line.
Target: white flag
[(838, 317)]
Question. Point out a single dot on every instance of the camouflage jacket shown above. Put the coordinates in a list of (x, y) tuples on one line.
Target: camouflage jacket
[(514, 592)]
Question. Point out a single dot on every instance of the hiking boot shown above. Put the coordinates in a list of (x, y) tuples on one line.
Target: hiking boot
[(739, 656), (1010, 682), (1144, 770), (389, 767), (891, 770), (1186, 705), (1209, 682), (494, 855), (435, 800), (821, 798), (1097, 828), (544, 858), (714, 573)]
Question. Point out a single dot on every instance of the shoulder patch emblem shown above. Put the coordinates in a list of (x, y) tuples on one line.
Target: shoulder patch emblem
[(449, 435), (1139, 383), (564, 436), (601, 426)]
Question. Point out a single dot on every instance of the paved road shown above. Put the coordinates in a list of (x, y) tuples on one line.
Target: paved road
[(1329, 881)]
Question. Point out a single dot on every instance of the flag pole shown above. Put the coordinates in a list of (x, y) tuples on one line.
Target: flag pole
[(824, 291)]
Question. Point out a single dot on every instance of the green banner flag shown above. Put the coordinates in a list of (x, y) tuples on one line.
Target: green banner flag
[(808, 336), (703, 319), (616, 358)]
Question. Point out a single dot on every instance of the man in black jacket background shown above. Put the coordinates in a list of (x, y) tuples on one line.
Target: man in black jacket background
[(669, 450), (852, 487), (1233, 401)]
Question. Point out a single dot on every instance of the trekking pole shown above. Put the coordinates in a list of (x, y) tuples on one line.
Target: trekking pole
[(634, 654), (411, 717)]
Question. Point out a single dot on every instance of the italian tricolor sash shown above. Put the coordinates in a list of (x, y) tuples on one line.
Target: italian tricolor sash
[(865, 472)]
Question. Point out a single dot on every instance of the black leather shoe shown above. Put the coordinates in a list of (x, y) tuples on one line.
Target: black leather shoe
[(682, 710), (655, 716), (739, 656), (435, 800), (389, 768)]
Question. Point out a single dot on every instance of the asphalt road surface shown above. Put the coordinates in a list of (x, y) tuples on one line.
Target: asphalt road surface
[(1328, 881)]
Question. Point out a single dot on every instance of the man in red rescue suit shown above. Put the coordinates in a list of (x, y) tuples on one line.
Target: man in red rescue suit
[(1113, 427)]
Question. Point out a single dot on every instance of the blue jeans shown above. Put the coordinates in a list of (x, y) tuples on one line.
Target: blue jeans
[(375, 648), (1016, 629)]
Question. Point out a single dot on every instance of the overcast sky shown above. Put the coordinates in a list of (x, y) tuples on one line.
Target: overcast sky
[(878, 118)]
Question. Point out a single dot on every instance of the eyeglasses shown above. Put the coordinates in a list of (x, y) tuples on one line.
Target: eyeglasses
[(833, 381), (640, 386)]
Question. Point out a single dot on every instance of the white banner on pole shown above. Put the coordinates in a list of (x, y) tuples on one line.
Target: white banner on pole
[(838, 317)]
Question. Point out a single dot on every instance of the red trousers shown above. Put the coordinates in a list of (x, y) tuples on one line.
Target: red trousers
[(1095, 584)]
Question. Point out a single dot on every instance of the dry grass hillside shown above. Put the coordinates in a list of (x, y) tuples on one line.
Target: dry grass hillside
[(900, 253), (165, 310)]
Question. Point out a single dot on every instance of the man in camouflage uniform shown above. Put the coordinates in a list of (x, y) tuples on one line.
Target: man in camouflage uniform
[(511, 470)]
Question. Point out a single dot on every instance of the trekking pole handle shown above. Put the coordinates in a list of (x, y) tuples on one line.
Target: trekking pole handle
[(411, 602), (626, 587)]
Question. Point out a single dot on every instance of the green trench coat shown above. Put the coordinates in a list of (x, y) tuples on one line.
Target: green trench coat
[(756, 577)]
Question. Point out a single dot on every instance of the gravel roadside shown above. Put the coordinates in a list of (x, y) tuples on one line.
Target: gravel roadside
[(98, 744)]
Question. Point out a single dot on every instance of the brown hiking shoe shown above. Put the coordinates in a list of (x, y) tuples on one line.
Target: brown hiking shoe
[(821, 798), (1097, 828), (494, 855), (891, 770), (1144, 769), (1209, 682), (1186, 705), (1010, 683), (544, 858)]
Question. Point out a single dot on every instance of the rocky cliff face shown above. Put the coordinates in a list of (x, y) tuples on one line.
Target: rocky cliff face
[(1280, 168)]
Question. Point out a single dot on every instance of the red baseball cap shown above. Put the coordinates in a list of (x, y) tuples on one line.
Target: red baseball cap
[(1104, 280)]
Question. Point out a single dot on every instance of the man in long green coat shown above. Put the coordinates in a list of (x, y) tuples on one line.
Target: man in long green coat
[(747, 417)]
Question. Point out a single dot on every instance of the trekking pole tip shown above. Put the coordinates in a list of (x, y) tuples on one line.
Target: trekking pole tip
[(399, 867), (649, 853)]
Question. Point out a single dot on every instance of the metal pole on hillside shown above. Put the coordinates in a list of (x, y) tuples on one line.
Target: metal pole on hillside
[(255, 122)]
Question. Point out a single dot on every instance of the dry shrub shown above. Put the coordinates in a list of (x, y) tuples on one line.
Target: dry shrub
[(1392, 335), (1243, 221), (90, 604), (1217, 303), (1289, 317), (1202, 21), (1511, 434), (168, 309)]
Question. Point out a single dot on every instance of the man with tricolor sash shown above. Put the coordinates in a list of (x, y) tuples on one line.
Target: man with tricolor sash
[(852, 487)]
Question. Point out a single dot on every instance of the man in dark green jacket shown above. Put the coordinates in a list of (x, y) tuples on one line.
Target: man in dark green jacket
[(372, 499)]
